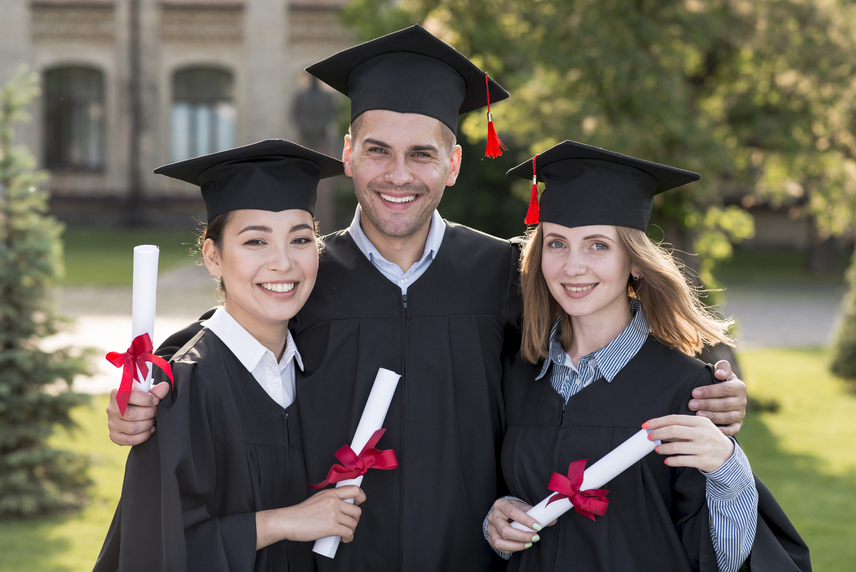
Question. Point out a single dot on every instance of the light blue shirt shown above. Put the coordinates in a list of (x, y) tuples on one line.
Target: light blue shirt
[(392, 271)]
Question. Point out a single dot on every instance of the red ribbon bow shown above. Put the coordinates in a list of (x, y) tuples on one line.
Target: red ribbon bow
[(587, 503), (133, 360), (353, 465)]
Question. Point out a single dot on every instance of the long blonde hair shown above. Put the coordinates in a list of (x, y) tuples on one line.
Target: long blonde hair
[(675, 314)]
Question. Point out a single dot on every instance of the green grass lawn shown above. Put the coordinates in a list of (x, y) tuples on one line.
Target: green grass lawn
[(804, 452), (71, 543), (104, 257)]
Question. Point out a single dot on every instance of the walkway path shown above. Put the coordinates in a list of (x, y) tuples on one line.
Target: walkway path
[(769, 314)]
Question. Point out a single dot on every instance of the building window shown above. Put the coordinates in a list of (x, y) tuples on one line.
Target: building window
[(202, 119), (74, 119)]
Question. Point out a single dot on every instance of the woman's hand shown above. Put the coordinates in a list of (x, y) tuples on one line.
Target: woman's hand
[(325, 513), (690, 441), (504, 537)]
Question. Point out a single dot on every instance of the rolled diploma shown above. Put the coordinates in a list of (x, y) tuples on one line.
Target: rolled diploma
[(144, 294), (609, 467), (372, 419)]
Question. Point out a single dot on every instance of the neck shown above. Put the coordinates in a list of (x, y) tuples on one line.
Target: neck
[(596, 331), (403, 251), (272, 336)]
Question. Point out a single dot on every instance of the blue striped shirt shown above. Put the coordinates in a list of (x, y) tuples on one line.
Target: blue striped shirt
[(730, 490)]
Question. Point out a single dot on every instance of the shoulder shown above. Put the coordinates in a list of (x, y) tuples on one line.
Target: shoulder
[(676, 365), (199, 361), (478, 243)]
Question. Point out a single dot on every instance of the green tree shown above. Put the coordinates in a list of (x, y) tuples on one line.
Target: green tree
[(35, 386)]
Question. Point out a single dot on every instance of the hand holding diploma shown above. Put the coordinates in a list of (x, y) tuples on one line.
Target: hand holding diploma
[(136, 360), (366, 437)]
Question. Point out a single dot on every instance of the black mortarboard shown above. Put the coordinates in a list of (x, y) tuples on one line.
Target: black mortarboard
[(587, 185), (271, 175), (409, 71)]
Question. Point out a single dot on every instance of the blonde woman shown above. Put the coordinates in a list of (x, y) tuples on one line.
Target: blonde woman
[(609, 326)]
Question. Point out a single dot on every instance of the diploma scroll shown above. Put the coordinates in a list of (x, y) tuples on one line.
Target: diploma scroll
[(143, 302), (371, 421), (600, 473)]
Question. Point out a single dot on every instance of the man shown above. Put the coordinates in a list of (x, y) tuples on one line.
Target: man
[(431, 300)]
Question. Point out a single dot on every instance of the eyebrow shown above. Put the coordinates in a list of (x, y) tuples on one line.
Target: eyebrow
[(258, 228), (377, 142), (295, 228), (589, 237)]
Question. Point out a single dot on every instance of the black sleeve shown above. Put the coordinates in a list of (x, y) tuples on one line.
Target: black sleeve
[(176, 341), (778, 547), (166, 516)]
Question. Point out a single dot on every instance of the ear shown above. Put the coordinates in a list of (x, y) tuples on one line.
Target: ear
[(634, 270), (455, 160), (211, 256), (346, 155)]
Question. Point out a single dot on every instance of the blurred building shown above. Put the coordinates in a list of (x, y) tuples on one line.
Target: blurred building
[(128, 85)]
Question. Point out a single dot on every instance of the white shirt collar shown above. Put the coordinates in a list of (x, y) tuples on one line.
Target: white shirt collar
[(246, 348), (432, 243)]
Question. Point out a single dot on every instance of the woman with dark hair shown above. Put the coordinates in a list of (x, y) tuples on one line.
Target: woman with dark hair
[(221, 484)]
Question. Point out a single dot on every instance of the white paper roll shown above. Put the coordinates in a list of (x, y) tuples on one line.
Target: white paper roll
[(144, 297), (610, 466), (371, 420)]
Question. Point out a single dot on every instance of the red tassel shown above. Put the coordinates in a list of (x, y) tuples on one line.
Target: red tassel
[(533, 215), (495, 147)]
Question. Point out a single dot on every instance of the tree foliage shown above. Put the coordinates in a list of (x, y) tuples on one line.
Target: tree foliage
[(757, 95), (35, 386)]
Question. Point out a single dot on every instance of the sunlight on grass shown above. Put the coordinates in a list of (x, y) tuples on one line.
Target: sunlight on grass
[(104, 257), (805, 452)]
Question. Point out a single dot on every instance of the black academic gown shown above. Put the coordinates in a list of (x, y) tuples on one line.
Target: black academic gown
[(223, 450), (657, 518), (445, 422)]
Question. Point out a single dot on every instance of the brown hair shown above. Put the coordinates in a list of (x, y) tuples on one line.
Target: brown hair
[(675, 314)]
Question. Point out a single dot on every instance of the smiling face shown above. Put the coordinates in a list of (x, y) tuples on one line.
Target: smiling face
[(268, 262), (586, 269), (400, 164)]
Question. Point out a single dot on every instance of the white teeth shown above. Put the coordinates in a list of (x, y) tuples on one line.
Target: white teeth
[(578, 289), (406, 199), (279, 287)]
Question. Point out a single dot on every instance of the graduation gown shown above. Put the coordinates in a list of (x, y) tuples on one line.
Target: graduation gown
[(445, 422), (657, 518), (223, 451)]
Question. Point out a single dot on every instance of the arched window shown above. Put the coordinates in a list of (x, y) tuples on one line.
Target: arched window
[(74, 118), (202, 119)]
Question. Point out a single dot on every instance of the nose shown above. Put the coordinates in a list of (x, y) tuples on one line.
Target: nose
[(399, 173), (280, 260), (575, 264)]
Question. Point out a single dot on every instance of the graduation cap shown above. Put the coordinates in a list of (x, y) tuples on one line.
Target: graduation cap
[(271, 175), (586, 185), (411, 71)]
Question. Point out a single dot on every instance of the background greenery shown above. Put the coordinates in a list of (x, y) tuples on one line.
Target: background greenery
[(100, 256)]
